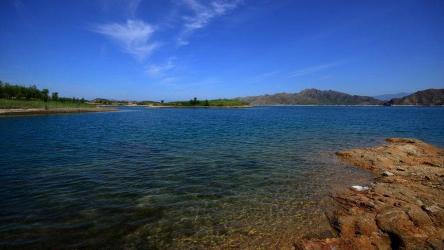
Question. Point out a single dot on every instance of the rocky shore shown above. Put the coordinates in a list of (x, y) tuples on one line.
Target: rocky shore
[(15, 112), (402, 209)]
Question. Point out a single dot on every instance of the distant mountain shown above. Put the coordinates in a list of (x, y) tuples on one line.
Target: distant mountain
[(388, 97), (424, 97), (311, 97)]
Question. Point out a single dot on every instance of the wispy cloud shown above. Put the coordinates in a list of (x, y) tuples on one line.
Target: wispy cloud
[(316, 68), (134, 36), (202, 15), (159, 70)]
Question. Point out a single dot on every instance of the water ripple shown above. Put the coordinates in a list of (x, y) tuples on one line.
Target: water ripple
[(185, 178)]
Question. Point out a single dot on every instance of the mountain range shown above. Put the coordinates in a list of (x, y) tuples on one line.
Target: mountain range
[(311, 97), (423, 97), (331, 97)]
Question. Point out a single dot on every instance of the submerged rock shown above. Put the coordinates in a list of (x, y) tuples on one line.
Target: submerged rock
[(405, 211)]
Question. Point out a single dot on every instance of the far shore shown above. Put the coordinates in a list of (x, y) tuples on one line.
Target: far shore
[(341, 105), (41, 111), (284, 105), (195, 106)]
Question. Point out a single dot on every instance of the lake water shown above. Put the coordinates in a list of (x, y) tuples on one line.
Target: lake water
[(182, 178)]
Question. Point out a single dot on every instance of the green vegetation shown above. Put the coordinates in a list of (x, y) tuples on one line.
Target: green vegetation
[(22, 97), (28, 104), (17, 96), (191, 103), (9, 91), (149, 103), (207, 103), (103, 101)]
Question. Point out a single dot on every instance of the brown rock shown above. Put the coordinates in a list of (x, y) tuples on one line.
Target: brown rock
[(400, 211), (401, 230)]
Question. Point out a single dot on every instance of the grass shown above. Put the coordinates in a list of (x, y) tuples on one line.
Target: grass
[(28, 104)]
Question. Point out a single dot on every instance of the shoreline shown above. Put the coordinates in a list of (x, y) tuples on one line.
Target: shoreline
[(246, 106), (402, 209), (269, 105), (40, 111), (341, 105)]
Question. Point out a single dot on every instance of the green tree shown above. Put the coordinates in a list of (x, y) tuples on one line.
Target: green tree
[(55, 96), (33, 92), (45, 94), (194, 101)]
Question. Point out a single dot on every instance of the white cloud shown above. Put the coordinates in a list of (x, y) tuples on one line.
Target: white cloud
[(314, 69), (159, 70), (202, 15), (134, 36)]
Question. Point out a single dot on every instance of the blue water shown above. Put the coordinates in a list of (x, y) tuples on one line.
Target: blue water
[(181, 178)]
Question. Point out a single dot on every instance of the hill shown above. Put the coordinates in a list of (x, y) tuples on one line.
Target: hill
[(311, 97), (424, 97)]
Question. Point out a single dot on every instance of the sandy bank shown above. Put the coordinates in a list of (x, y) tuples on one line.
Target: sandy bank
[(14, 112), (402, 209)]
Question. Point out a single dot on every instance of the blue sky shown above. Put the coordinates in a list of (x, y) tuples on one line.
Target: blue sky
[(145, 49)]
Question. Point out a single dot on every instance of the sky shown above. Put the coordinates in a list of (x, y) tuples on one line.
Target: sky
[(180, 49)]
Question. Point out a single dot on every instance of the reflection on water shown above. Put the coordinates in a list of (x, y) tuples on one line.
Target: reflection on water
[(177, 178)]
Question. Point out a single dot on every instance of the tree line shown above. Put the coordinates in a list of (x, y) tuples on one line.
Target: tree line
[(195, 102), (12, 91)]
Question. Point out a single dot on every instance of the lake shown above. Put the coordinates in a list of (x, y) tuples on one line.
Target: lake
[(180, 178)]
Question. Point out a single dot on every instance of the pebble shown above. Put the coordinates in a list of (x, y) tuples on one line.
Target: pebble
[(359, 188), (387, 173), (431, 209)]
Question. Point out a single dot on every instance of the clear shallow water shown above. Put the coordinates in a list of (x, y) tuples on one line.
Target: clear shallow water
[(177, 178)]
